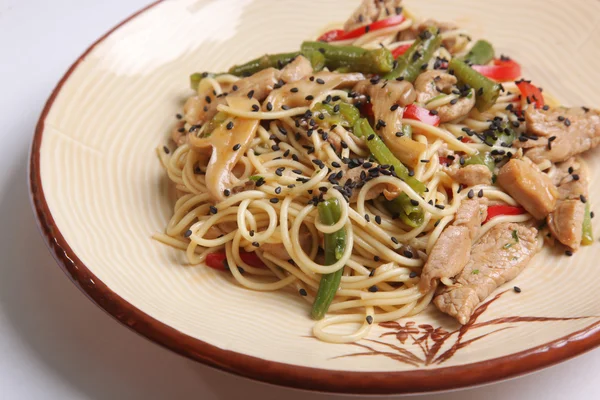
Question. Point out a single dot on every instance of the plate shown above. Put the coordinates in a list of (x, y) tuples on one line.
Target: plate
[(99, 193)]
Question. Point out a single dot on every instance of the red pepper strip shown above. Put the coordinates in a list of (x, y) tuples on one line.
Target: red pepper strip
[(466, 140), (338, 34), (494, 211), (531, 92), (398, 51), (501, 71), (445, 160), (367, 110), (421, 114), (218, 260)]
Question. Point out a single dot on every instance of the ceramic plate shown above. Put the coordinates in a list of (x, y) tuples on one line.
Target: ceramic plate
[(99, 193)]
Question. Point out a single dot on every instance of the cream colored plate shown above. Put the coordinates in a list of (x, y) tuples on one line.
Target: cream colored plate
[(106, 193)]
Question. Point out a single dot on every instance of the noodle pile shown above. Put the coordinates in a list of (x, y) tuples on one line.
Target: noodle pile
[(383, 257)]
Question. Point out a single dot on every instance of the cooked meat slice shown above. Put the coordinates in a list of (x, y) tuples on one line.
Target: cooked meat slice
[(529, 186), (278, 249), (314, 86), (413, 31), (389, 99), (571, 131), (201, 108), (370, 11), (431, 84), (471, 175), (222, 145), (566, 221), (451, 251), (498, 257)]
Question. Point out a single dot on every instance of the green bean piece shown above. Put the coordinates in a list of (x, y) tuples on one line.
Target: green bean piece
[(383, 155), (410, 64), (196, 77), (588, 234), (334, 246), (484, 158), (412, 215), (352, 58), (343, 114), (481, 53), (503, 134), (487, 90), (267, 61)]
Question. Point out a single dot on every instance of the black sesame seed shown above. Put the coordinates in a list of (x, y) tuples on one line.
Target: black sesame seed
[(575, 177), (187, 233), (394, 107), (408, 254), (255, 107), (269, 106), (309, 97), (582, 198), (571, 170), (275, 147), (213, 209), (371, 137), (471, 194), (373, 289), (207, 98), (250, 94), (517, 289), (320, 81), (369, 319), (278, 190), (166, 150), (285, 107), (226, 192), (251, 232), (561, 118), (567, 122), (480, 193), (367, 218), (378, 219), (229, 125), (294, 90), (274, 200), (413, 274), (255, 244), (394, 240), (569, 253), (236, 147)]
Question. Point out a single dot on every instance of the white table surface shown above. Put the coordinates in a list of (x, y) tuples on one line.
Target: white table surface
[(54, 343)]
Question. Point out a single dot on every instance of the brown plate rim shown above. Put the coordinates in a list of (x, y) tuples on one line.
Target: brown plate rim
[(419, 381)]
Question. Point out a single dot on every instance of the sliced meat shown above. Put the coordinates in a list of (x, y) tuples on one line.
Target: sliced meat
[(498, 257), (370, 11), (389, 99), (566, 221), (529, 186), (278, 249), (571, 131), (201, 108), (471, 175), (315, 85), (452, 250), (433, 83)]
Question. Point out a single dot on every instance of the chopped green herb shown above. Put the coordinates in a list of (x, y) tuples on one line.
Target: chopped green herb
[(475, 272), (255, 178), (515, 236)]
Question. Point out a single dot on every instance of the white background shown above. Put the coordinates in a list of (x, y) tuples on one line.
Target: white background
[(54, 343)]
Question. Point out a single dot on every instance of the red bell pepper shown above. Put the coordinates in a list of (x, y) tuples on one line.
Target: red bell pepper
[(339, 34), (218, 260), (531, 92), (398, 51), (501, 71), (494, 211), (421, 114), (445, 160)]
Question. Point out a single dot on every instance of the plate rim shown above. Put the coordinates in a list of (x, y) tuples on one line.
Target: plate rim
[(283, 374)]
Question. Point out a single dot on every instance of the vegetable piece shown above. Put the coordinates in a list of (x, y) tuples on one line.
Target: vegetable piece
[(481, 53), (196, 77), (357, 59), (398, 51), (383, 155), (501, 71), (532, 93), (334, 246), (494, 211), (588, 234), (340, 34), (483, 159), (417, 113), (218, 260), (267, 61), (504, 134), (407, 131), (487, 90), (410, 63), (408, 213), (346, 116)]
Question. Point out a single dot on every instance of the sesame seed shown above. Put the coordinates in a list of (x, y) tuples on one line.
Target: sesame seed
[(255, 244), (378, 219), (367, 218), (251, 232), (369, 319), (230, 125), (226, 192), (207, 98), (237, 147), (278, 190), (373, 289), (570, 170), (250, 94), (213, 209), (285, 107), (294, 90), (371, 137), (302, 292), (575, 177), (166, 150), (394, 107), (567, 122), (274, 200), (309, 97), (582, 198), (320, 81), (279, 171), (471, 194), (592, 214), (394, 240), (453, 101), (275, 147), (480, 193), (399, 134), (440, 206), (269, 106), (255, 107), (408, 254), (569, 253), (187, 233), (517, 289)]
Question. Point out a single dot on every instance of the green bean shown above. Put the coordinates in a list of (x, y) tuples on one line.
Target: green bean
[(503, 134), (267, 61), (588, 234), (346, 115), (482, 159), (486, 89), (408, 213), (410, 64), (352, 58), (481, 53), (334, 246), (383, 155)]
